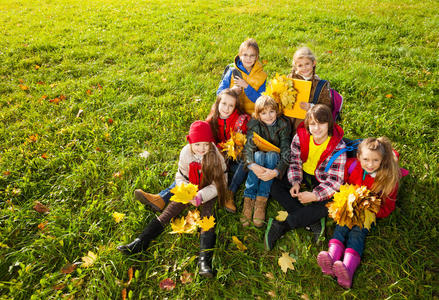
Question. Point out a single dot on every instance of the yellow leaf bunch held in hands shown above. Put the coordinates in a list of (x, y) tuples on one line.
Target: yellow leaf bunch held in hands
[(281, 88), (184, 192), (354, 206), (234, 146)]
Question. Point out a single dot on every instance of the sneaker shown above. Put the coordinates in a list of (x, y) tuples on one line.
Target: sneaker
[(275, 230)]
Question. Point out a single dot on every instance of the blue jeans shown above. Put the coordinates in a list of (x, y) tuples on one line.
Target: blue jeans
[(353, 238), (254, 186), (239, 172), (166, 193)]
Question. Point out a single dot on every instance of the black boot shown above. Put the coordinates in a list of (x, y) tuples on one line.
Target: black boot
[(318, 230), (275, 230), (207, 242), (152, 230)]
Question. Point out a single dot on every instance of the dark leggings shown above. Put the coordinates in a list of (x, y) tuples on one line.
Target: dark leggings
[(299, 215), (175, 208)]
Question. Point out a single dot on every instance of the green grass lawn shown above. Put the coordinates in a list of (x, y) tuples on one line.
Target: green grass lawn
[(87, 86)]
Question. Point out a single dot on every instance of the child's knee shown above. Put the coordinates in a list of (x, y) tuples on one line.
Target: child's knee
[(260, 158), (271, 159)]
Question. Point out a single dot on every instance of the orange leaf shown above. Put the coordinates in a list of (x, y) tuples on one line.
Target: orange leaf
[(124, 294), (40, 82), (264, 61), (59, 286), (42, 225), (20, 80), (186, 277), (99, 86), (62, 97), (69, 268), (389, 96), (130, 274), (110, 121), (44, 97), (41, 208), (164, 173), (117, 175), (56, 100), (89, 92), (23, 87), (167, 284), (6, 173), (37, 67), (44, 155)]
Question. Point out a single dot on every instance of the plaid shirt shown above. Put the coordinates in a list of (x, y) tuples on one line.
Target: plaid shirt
[(329, 181)]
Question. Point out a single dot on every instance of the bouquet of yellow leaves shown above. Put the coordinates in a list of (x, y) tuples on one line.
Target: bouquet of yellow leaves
[(234, 145), (354, 206), (281, 89), (191, 222), (184, 192)]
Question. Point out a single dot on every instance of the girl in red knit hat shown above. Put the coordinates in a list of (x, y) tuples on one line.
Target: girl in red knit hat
[(201, 164)]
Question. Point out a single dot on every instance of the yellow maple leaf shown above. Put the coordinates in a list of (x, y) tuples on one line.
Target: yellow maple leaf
[(89, 259), (286, 262), (281, 89), (207, 223), (234, 145), (281, 215), (238, 243), (369, 219), (178, 224), (118, 216), (184, 192)]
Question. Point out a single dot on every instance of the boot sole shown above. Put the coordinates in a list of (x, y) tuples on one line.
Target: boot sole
[(139, 196), (342, 275), (325, 263), (230, 210)]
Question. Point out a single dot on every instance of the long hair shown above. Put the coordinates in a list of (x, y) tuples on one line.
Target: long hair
[(320, 113), (213, 117), (388, 173), (212, 169)]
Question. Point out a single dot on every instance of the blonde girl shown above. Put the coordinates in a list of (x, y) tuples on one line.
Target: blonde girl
[(304, 68), (200, 163), (375, 167)]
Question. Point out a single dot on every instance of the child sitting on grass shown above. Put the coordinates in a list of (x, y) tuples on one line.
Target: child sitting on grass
[(247, 76), (264, 166), (304, 68), (375, 167), (316, 141), (201, 164), (226, 117)]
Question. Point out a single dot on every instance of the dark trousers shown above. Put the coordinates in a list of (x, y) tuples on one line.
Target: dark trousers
[(299, 215), (175, 208)]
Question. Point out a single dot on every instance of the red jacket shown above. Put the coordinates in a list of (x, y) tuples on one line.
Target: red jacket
[(356, 177), (236, 122)]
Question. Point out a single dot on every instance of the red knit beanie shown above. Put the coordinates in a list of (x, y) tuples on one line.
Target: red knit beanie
[(200, 132)]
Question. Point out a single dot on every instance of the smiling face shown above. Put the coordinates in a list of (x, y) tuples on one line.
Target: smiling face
[(248, 57), (268, 116), (304, 66), (200, 148), (226, 106), (370, 160), (319, 131)]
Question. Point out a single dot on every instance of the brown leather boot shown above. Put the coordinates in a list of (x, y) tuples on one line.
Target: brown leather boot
[(247, 211), (153, 200), (230, 203), (259, 214)]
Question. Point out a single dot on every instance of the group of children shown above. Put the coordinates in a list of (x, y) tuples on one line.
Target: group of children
[(306, 156)]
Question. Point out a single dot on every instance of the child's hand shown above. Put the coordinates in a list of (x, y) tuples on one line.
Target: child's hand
[(237, 89), (268, 175), (240, 82), (258, 170), (305, 106), (306, 197), (294, 191), (196, 201)]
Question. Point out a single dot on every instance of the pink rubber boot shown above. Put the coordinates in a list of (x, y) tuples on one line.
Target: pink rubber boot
[(326, 259), (344, 271)]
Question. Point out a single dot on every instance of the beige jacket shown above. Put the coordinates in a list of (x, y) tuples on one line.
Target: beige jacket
[(182, 176)]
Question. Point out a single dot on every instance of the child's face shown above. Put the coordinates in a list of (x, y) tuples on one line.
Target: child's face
[(370, 160), (268, 116), (319, 131), (226, 106), (304, 66), (200, 148), (248, 57)]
